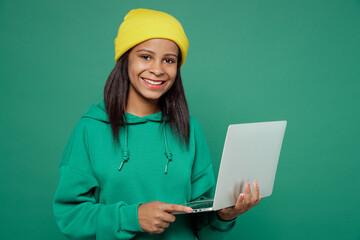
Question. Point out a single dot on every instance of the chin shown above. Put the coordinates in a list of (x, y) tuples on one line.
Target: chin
[(152, 97)]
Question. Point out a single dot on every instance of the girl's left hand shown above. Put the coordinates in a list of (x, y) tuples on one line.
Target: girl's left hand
[(243, 203)]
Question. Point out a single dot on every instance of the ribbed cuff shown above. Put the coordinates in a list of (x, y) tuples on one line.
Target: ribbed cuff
[(222, 225), (129, 218)]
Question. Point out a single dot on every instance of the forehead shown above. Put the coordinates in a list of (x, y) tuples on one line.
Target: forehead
[(159, 45)]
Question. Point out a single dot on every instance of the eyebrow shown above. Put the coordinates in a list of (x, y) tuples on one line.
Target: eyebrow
[(167, 54)]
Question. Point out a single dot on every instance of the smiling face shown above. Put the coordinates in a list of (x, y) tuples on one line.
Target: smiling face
[(152, 69)]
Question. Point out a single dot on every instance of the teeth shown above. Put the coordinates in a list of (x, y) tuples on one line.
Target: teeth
[(151, 82)]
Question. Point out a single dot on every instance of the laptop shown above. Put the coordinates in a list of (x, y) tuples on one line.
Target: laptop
[(251, 152)]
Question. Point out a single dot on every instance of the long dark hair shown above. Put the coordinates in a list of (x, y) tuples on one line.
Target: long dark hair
[(172, 104)]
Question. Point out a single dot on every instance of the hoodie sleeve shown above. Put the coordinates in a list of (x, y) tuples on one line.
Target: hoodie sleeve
[(76, 206), (207, 225)]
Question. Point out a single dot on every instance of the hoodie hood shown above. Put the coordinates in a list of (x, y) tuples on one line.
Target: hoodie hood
[(98, 112)]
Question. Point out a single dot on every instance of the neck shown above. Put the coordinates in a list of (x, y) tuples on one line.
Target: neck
[(139, 106)]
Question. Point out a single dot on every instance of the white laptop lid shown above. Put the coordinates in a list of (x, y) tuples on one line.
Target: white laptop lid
[(251, 152)]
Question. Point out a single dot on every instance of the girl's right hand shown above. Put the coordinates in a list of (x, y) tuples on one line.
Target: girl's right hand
[(155, 216)]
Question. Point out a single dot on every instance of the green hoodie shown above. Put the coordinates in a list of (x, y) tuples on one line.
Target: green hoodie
[(98, 199)]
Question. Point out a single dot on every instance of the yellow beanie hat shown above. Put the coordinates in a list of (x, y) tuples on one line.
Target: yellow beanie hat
[(143, 24)]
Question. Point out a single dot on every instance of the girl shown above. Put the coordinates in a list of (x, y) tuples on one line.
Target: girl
[(134, 157)]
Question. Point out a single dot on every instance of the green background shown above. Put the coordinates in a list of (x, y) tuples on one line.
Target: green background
[(249, 61)]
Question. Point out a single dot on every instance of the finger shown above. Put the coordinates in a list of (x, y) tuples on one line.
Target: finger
[(255, 196), (158, 230), (260, 197), (168, 217), (163, 225), (228, 210), (240, 201), (176, 208), (247, 197), (258, 201)]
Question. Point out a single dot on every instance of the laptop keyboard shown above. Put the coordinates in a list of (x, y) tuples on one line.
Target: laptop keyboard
[(208, 203)]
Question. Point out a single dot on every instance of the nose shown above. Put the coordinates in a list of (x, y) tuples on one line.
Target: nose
[(157, 68)]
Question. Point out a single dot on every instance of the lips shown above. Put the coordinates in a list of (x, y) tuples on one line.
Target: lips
[(152, 83)]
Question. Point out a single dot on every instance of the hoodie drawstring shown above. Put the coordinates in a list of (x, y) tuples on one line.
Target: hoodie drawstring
[(168, 154), (125, 151)]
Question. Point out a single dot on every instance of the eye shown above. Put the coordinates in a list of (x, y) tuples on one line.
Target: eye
[(145, 57), (169, 60)]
